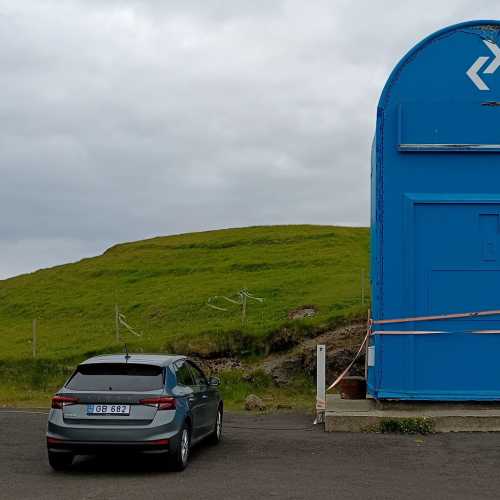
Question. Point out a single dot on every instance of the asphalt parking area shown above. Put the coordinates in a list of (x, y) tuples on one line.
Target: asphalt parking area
[(270, 456)]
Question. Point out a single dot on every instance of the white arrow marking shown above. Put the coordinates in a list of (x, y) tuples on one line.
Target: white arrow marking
[(493, 66), (472, 73)]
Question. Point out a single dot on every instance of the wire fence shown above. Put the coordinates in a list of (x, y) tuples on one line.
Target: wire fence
[(253, 313)]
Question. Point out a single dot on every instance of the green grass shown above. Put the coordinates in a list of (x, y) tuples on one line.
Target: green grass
[(414, 425), (162, 286), (299, 392)]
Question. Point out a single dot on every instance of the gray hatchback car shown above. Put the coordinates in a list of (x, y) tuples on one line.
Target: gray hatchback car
[(156, 404)]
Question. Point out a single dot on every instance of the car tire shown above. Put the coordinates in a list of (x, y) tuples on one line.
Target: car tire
[(60, 461), (179, 456), (216, 436)]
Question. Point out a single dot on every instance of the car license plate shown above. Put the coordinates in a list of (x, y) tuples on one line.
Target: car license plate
[(102, 409)]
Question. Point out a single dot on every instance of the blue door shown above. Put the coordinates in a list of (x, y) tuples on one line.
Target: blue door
[(456, 269)]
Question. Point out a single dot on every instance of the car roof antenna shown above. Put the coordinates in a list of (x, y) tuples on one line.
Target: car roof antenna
[(127, 355)]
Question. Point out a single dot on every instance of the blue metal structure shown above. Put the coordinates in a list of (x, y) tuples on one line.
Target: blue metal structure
[(436, 218)]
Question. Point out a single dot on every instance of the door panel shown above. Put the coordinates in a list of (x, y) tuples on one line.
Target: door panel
[(456, 262), (202, 389), (456, 269), (186, 383)]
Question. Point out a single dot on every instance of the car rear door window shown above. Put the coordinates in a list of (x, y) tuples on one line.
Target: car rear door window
[(199, 377), (117, 377), (183, 374)]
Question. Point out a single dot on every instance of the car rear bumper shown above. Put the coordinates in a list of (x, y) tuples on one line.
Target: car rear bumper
[(94, 447), (159, 435)]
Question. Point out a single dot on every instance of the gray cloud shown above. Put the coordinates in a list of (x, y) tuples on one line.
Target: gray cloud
[(128, 119)]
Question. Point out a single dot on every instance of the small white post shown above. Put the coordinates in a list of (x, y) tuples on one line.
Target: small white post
[(320, 382), (33, 341)]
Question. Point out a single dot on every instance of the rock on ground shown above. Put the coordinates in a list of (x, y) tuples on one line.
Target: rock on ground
[(253, 402)]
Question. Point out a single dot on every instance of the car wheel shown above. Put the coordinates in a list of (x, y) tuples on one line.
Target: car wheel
[(180, 454), (60, 461), (216, 435)]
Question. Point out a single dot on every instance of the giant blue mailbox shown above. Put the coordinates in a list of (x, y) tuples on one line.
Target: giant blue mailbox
[(436, 220)]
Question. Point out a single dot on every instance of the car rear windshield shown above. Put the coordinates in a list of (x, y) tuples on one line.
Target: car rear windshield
[(117, 377)]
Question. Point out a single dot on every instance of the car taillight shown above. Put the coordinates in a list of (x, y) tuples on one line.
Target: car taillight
[(162, 402), (158, 442), (59, 401), (54, 440)]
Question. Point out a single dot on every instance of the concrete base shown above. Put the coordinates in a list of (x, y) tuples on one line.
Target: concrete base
[(348, 415)]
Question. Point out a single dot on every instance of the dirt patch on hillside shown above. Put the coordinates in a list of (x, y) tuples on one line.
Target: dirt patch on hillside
[(302, 312), (341, 347), (217, 365)]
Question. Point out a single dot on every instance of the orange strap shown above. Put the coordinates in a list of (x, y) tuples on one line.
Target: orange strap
[(344, 373)]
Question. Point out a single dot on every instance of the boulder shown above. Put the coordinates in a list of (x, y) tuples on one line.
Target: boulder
[(253, 402)]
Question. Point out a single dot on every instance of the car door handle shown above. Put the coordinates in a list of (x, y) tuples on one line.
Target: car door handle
[(205, 396)]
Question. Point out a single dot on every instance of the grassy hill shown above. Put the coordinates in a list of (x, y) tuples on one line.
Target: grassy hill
[(162, 286)]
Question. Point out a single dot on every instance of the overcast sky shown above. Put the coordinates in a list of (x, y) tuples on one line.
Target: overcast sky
[(122, 120)]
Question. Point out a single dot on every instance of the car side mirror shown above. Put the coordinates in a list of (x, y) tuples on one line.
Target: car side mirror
[(213, 381)]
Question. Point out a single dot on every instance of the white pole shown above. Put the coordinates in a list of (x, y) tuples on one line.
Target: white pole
[(320, 381)]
